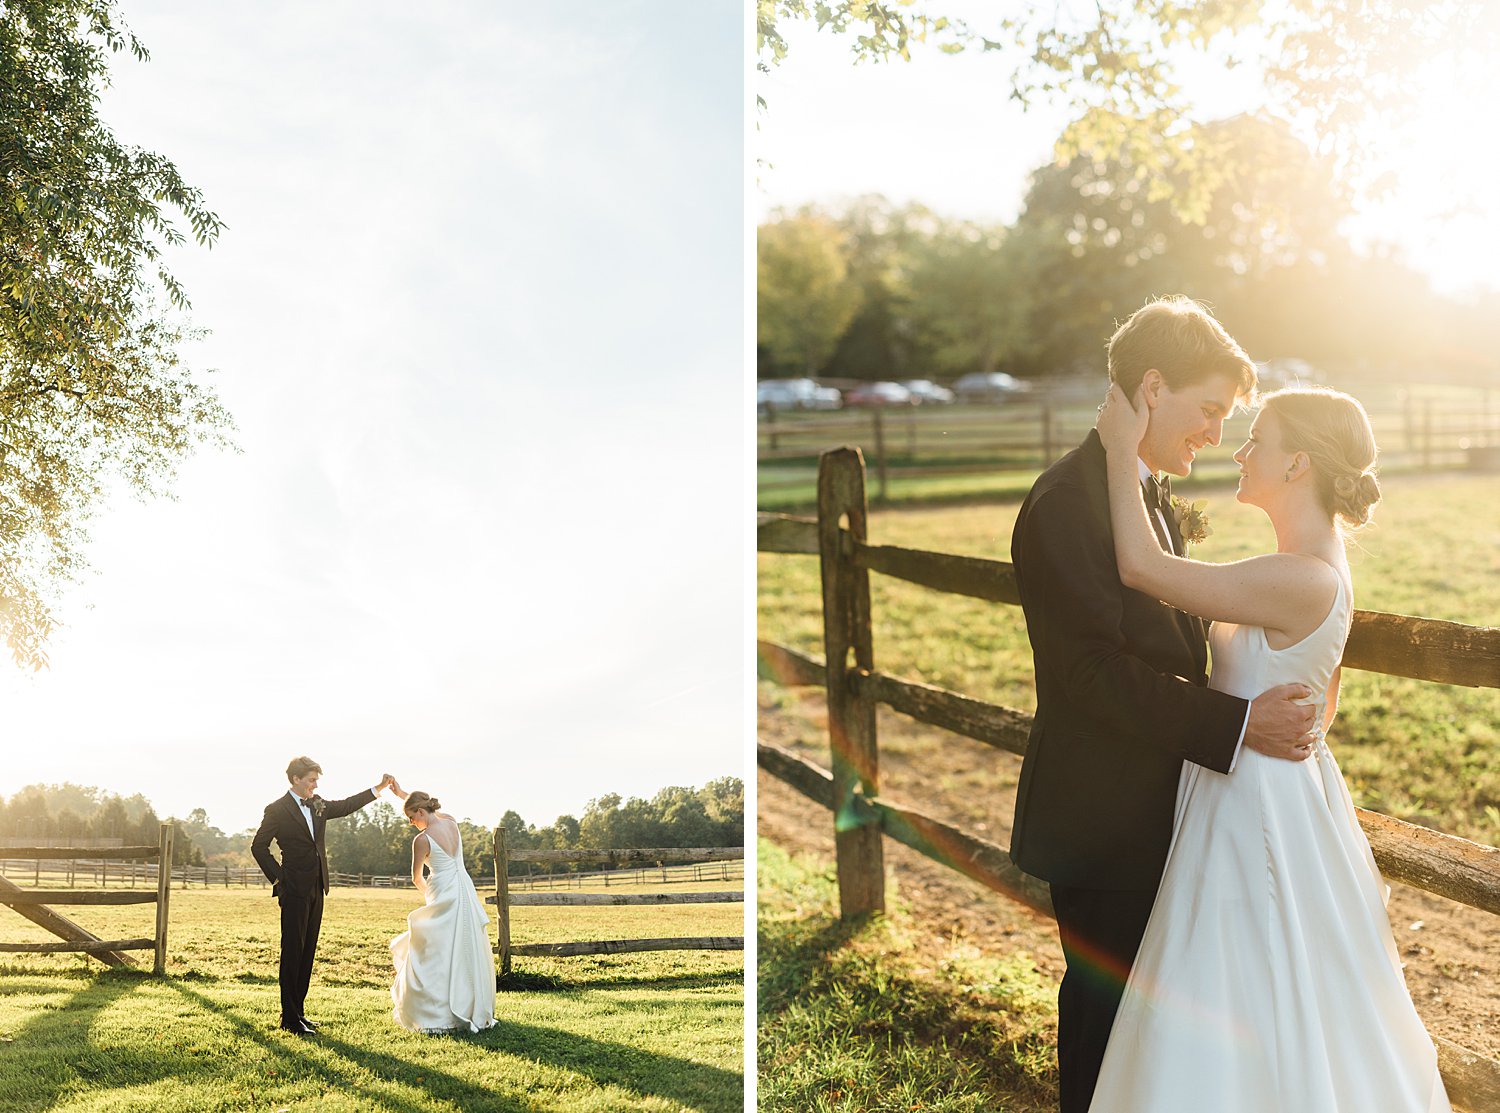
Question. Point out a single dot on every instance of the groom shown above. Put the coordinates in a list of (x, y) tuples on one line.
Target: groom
[(296, 823), (1120, 680)]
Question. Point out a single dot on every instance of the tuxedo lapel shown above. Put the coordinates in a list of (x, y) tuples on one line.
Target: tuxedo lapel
[(1193, 629), (1178, 547), (297, 816)]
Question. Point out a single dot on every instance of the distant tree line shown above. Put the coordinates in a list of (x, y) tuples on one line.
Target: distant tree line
[(377, 839), (879, 291), (64, 811)]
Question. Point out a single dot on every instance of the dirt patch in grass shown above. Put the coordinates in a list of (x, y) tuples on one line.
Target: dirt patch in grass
[(1450, 950)]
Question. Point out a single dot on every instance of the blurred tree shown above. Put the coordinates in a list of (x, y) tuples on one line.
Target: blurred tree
[(211, 842), (28, 814), (565, 829), (724, 801), (967, 298), (681, 818), (374, 840), (111, 821), (1092, 245), (145, 830), (879, 343), (68, 824), (805, 296), (91, 379), (597, 827), (1338, 67)]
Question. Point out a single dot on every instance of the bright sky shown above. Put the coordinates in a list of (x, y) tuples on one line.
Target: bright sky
[(940, 130), (479, 314)]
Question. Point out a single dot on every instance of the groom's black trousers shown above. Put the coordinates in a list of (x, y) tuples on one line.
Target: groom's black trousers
[(1101, 931), (301, 919)]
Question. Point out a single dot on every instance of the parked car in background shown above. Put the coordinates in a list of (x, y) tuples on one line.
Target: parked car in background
[(925, 392), (878, 394), (1273, 374), (988, 386), (794, 394)]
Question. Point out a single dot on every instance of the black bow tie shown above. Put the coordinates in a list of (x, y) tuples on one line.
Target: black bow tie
[(1159, 495), (305, 801)]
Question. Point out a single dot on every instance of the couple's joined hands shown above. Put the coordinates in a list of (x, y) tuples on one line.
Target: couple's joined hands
[(388, 781)]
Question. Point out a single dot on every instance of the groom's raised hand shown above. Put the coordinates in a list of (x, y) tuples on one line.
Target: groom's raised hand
[(386, 780), (1279, 726)]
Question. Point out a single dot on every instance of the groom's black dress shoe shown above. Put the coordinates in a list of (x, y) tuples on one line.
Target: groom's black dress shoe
[(311, 1026), (297, 1027)]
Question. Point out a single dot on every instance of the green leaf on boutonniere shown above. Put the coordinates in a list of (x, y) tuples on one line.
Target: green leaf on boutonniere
[(1192, 520)]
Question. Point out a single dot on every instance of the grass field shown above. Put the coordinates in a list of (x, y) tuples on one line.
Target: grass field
[(880, 1018), (1423, 752), (654, 1032)]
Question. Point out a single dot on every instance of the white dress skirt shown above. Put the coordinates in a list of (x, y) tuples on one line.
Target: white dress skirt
[(1268, 978), (445, 970)]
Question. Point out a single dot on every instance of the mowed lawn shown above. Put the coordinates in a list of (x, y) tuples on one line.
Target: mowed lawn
[(1424, 752), (653, 1032)]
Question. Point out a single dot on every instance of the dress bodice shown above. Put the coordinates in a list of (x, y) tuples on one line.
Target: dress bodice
[(1245, 665), (440, 862)]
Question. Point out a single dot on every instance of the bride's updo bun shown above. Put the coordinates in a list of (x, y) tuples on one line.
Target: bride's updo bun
[(421, 801), (1334, 430)]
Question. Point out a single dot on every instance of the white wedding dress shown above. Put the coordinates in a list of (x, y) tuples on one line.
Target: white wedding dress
[(445, 970), (1268, 979)]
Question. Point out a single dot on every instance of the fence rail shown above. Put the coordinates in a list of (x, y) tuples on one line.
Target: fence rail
[(36, 905), (1461, 429), (504, 900), (1401, 645)]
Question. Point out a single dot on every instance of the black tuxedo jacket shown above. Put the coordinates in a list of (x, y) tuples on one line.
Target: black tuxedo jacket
[(303, 868), (1121, 696)]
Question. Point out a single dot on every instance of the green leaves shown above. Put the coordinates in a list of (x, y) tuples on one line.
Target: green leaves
[(90, 379)]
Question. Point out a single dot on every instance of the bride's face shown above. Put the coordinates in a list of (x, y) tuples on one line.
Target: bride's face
[(419, 819), (1262, 462)]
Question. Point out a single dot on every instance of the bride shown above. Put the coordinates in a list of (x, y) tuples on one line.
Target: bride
[(445, 971), (1268, 977)]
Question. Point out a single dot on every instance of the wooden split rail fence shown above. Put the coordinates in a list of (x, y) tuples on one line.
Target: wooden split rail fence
[(1031, 431), (36, 904), (504, 900), (1397, 645)]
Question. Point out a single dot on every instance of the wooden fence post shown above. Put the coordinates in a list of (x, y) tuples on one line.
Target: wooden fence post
[(502, 897), (851, 717), (881, 492), (163, 891)]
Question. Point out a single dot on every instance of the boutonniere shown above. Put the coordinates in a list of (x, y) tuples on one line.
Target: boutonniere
[(318, 805), (1192, 520)]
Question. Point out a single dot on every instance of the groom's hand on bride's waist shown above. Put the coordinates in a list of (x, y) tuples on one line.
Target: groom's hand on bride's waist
[(1279, 725)]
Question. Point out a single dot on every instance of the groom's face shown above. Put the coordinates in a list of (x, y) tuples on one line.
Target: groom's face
[(305, 785), (1184, 421)]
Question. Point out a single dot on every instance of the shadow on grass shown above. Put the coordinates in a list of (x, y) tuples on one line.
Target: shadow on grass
[(707, 980), (648, 1074), (847, 1020), (32, 1074)]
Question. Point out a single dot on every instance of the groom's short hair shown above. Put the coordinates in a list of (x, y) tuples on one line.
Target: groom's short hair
[(301, 767), (1180, 338)]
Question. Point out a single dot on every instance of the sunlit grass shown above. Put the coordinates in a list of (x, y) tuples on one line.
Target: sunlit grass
[(658, 1031), (873, 1018)]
